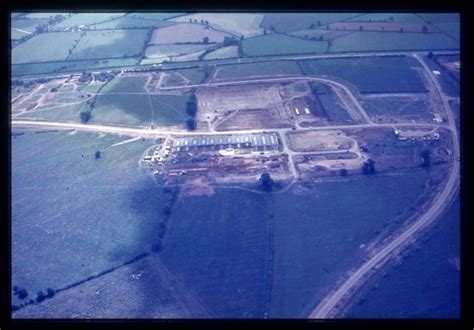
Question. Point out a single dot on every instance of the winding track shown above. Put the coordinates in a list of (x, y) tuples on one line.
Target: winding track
[(450, 190)]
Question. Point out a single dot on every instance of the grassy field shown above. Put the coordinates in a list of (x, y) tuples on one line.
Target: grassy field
[(369, 75), (140, 110), (60, 113), (387, 41), (126, 84), (435, 18), (155, 16), (385, 17), (128, 22), (164, 51), (224, 52), (34, 50), (28, 24), (44, 15), (452, 29), (105, 44), (87, 19), (70, 66), (86, 218), (287, 22), (184, 32), (258, 69), (240, 24), (16, 35), (277, 44), (195, 76)]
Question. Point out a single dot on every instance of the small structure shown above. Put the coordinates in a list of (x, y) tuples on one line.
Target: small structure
[(436, 72)]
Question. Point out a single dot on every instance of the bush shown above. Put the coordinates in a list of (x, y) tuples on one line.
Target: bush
[(40, 297), (85, 116), (266, 181), (97, 154), (368, 167), (50, 293), (22, 293)]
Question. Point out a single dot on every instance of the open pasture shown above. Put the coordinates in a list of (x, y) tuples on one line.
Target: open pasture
[(270, 68), (186, 32), (278, 44), (165, 51)]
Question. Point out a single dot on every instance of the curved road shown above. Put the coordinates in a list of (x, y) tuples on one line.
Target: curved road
[(328, 304)]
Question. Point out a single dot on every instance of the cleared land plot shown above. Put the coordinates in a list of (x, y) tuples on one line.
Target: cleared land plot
[(128, 22), (70, 66), (386, 41), (287, 22), (224, 52), (155, 16), (251, 118), (126, 84), (87, 19), (383, 26), (34, 50), (277, 44), (184, 32), (28, 25), (140, 110), (387, 17), (319, 141), (258, 69), (397, 107), (114, 43), (239, 24), (369, 75), (164, 51)]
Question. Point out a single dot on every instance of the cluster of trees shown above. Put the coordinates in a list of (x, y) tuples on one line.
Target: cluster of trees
[(97, 154), (40, 297), (157, 245), (368, 167), (426, 158), (203, 22), (191, 110), (29, 83), (266, 181), (56, 19)]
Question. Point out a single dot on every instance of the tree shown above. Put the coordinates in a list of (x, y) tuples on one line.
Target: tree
[(191, 124), (202, 21), (368, 167), (361, 28), (266, 181), (98, 154), (206, 22), (85, 116), (306, 36), (430, 55), (205, 40), (40, 297), (426, 156), (264, 32), (401, 30), (424, 29), (311, 26), (318, 23), (50, 293), (190, 20), (343, 172), (191, 108), (22, 293)]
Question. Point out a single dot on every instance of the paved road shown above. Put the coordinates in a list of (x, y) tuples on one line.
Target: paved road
[(442, 201)]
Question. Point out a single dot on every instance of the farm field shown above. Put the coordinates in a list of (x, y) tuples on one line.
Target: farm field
[(87, 19), (239, 24), (44, 15), (69, 66), (387, 17), (60, 113), (258, 69), (428, 276), (397, 107), (106, 44), (100, 228), (452, 29), (224, 52), (28, 25), (140, 110), (195, 76), (128, 22), (288, 22), (165, 51), (448, 83), (156, 16), (185, 32), (334, 110), (33, 49), (277, 44), (403, 78), (386, 41), (126, 84)]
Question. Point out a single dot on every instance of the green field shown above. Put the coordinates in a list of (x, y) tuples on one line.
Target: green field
[(224, 52), (126, 84), (69, 66), (65, 113), (28, 24), (140, 110), (128, 22), (277, 44), (34, 50), (385, 17), (387, 41), (371, 75), (106, 44), (156, 16), (87, 19), (195, 76), (287, 22), (258, 69), (160, 51)]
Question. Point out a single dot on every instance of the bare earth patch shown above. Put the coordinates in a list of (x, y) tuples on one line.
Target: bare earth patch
[(197, 187)]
